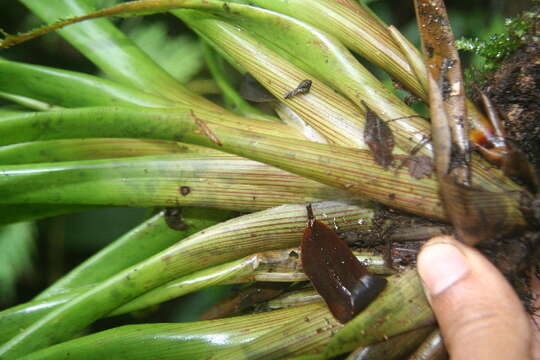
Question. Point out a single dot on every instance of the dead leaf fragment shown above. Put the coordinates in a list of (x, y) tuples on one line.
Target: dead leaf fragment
[(419, 166), (477, 214), (379, 138), (206, 130)]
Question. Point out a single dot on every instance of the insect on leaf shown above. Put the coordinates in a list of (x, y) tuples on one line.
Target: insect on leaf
[(339, 277), (174, 218), (379, 138), (302, 88)]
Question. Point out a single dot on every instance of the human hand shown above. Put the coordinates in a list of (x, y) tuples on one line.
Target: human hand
[(479, 314)]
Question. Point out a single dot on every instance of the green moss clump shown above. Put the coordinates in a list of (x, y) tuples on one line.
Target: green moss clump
[(498, 46), (493, 50)]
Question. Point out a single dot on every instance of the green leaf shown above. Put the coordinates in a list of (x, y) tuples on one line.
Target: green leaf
[(329, 61), (236, 103), (331, 114), (197, 340), (269, 266), (29, 103), (181, 56), (217, 244), (150, 237), (220, 180), (16, 213), (112, 51), (16, 248), (353, 170), (93, 149), (144, 123), (401, 307), (358, 30), (143, 241), (70, 89)]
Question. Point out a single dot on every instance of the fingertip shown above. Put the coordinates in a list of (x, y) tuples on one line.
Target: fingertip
[(478, 312), (441, 264)]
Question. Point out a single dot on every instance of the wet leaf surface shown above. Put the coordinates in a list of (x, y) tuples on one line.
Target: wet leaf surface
[(338, 276), (379, 138), (252, 90)]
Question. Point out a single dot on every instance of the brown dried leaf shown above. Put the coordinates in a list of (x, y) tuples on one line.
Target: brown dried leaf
[(477, 214), (339, 277), (379, 138), (446, 94), (244, 300), (419, 166), (252, 90), (514, 163), (206, 130)]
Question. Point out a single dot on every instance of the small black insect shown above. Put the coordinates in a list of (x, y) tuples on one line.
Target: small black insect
[(302, 88), (174, 218)]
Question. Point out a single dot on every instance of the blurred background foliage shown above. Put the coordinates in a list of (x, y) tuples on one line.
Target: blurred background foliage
[(35, 255)]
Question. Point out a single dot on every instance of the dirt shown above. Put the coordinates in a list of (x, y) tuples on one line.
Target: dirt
[(515, 257), (399, 237), (515, 90)]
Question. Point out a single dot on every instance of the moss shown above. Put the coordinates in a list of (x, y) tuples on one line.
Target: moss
[(493, 50)]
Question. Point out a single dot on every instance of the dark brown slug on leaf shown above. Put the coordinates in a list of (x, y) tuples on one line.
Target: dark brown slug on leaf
[(337, 275)]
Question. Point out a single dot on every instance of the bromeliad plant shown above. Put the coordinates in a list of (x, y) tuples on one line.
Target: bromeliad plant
[(338, 139)]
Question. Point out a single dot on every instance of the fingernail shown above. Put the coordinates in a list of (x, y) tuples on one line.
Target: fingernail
[(440, 266)]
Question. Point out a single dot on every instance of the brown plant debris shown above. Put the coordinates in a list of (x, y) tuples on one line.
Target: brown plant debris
[(244, 300), (419, 166), (446, 92), (379, 138), (477, 214), (206, 130)]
